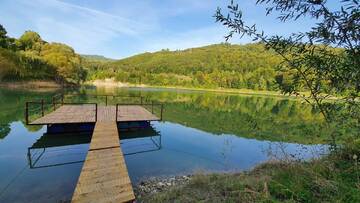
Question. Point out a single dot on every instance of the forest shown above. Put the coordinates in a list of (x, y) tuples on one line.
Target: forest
[(32, 58), (223, 65), (248, 66)]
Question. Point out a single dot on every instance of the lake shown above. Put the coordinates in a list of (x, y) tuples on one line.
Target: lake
[(201, 132)]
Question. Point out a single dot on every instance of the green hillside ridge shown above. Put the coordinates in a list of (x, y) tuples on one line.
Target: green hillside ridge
[(225, 66), (98, 58), (216, 66)]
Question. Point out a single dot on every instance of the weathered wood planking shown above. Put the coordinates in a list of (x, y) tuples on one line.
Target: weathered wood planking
[(86, 114), (104, 177), (69, 114), (135, 113)]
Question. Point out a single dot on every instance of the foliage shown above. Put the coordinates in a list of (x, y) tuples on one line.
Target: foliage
[(331, 179), (96, 58), (63, 57), (29, 58), (30, 41), (325, 60), (222, 65), (17, 66), (5, 41)]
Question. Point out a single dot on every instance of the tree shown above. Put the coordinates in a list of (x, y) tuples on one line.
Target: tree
[(30, 41), (5, 41), (3, 37), (327, 53), (66, 61)]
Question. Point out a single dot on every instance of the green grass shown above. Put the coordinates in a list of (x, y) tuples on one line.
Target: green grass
[(334, 178)]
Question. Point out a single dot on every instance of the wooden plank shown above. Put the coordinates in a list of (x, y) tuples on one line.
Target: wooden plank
[(104, 176), (105, 135), (135, 113), (86, 114), (69, 114)]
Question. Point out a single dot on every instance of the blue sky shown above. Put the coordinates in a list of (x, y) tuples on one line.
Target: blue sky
[(122, 28)]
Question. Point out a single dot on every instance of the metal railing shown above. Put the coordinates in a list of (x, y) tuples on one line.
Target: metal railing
[(107, 97), (43, 107)]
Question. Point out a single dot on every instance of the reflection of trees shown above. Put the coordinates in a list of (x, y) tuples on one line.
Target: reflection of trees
[(260, 117), (266, 118), (32, 128), (12, 106), (4, 130)]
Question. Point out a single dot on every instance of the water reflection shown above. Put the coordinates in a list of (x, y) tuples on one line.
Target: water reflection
[(62, 144), (54, 149), (185, 150), (264, 118), (140, 141), (202, 132)]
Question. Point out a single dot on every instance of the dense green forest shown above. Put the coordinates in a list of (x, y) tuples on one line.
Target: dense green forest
[(31, 58), (216, 66), (249, 66)]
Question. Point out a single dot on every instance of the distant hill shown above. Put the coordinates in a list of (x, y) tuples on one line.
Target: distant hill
[(96, 57), (220, 65)]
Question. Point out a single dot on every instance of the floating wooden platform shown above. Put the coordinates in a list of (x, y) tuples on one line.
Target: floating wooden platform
[(104, 177), (86, 113)]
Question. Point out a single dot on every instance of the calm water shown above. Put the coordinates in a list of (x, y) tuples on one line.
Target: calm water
[(201, 132)]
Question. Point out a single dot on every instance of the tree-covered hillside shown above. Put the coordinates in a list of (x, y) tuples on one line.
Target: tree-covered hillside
[(222, 65), (96, 58), (31, 58)]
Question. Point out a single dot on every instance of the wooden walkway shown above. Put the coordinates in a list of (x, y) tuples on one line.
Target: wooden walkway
[(86, 113), (104, 177)]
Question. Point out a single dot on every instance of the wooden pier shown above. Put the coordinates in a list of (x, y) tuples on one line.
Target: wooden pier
[(91, 113), (104, 176)]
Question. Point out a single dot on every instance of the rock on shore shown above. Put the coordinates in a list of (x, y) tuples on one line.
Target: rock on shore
[(158, 184)]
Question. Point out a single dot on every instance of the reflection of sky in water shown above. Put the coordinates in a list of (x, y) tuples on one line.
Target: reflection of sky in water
[(186, 150), (173, 149), (19, 183)]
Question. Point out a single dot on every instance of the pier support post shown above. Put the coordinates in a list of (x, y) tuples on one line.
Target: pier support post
[(42, 107), (152, 106), (53, 101), (116, 113), (27, 113), (161, 113), (96, 110)]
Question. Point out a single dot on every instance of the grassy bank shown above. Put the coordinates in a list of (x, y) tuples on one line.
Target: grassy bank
[(335, 178)]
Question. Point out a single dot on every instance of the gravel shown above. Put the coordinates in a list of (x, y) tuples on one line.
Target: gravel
[(157, 184)]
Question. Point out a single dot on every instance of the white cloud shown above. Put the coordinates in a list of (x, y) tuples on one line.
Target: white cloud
[(83, 28), (193, 38), (116, 28)]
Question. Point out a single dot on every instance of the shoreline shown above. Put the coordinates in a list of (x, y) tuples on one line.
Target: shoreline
[(110, 83), (153, 185), (31, 84)]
